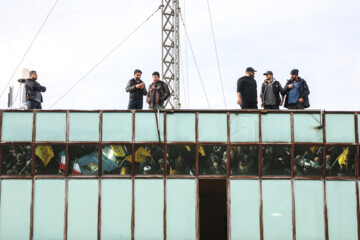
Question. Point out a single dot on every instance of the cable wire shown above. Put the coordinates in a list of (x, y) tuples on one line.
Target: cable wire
[(107, 55), (22, 59)]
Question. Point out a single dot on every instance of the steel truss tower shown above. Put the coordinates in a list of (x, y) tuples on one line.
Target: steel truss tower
[(170, 50)]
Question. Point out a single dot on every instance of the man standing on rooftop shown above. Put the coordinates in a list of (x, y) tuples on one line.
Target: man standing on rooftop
[(137, 90), (158, 93), (247, 90), (33, 91), (296, 91), (270, 94)]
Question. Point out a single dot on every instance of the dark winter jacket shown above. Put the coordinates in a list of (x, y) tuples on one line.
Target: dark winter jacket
[(248, 89), (135, 93), (31, 87), (277, 89), (157, 94), (303, 91)]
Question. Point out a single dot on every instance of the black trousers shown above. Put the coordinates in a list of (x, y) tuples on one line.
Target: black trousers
[(249, 105), (297, 105), (135, 104), (271, 107)]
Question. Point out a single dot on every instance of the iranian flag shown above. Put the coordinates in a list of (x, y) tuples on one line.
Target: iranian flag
[(63, 162), (76, 168)]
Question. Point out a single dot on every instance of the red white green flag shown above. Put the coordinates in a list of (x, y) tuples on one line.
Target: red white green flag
[(76, 168), (63, 162)]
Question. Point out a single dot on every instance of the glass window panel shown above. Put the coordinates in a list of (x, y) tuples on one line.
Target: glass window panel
[(340, 123), (181, 160), (180, 209), (83, 209), (16, 160), (244, 127), (149, 159), (84, 160), (149, 209), (244, 160), (146, 127), (117, 127), (84, 126), (245, 222), (116, 208), (180, 127), (48, 159), (275, 127), (49, 206), (50, 126), (116, 159), (15, 209), (307, 128), (341, 209), (277, 209), (212, 160), (17, 126), (340, 161), (276, 160), (308, 161), (212, 127), (309, 210)]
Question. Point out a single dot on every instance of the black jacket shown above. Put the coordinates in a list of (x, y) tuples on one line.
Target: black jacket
[(303, 91), (135, 93), (31, 87), (277, 89), (248, 89)]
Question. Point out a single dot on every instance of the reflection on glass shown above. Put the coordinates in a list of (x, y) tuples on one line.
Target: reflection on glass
[(212, 160), (181, 160), (120, 155), (308, 161), (276, 160), (48, 159), (84, 160), (16, 160), (244, 160), (149, 159), (340, 161)]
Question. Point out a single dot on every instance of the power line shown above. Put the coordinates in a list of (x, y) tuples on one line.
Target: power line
[(106, 56), (186, 62), (216, 52), (22, 59)]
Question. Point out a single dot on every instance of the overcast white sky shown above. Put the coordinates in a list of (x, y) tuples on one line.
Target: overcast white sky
[(319, 37)]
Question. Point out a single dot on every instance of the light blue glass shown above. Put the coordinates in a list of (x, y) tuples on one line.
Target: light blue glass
[(180, 127), (149, 209), (277, 209), (275, 127), (341, 210), (49, 205), (17, 126), (212, 127), (307, 128), (83, 209), (84, 126), (340, 128), (309, 210), (146, 128), (15, 209), (180, 209), (245, 222), (50, 126), (116, 206), (244, 127), (117, 127)]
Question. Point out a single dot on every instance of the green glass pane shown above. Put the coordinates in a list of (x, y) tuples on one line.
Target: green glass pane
[(212, 127), (275, 127), (15, 209), (277, 209), (149, 209), (340, 128), (49, 205), (180, 127), (117, 127), (50, 126), (146, 127), (307, 128), (309, 210), (244, 127), (84, 127), (116, 206), (83, 209), (245, 222), (180, 209), (17, 126), (341, 209)]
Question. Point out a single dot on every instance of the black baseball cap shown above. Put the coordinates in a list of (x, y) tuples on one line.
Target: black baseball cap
[(294, 72), (250, 69), (268, 72)]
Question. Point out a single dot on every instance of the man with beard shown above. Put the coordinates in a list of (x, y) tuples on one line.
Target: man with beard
[(137, 90), (247, 90), (33, 91), (296, 91), (270, 95)]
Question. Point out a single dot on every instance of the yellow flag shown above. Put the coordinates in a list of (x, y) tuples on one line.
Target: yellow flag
[(45, 153), (343, 158), (118, 150), (187, 148), (171, 171), (123, 171), (140, 155), (314, 149), (201, 151)]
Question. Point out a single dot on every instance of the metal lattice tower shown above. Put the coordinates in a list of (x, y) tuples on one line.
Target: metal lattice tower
[(170, 50)]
